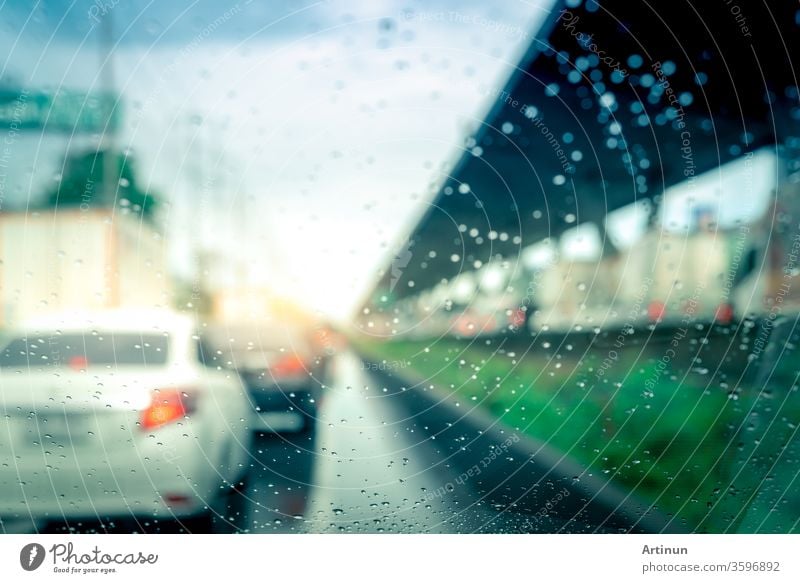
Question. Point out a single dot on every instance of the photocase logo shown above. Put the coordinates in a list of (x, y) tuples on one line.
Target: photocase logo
[(31, 556)]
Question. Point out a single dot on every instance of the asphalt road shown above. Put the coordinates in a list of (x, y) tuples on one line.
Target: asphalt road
[(367, 469), (382, 459)]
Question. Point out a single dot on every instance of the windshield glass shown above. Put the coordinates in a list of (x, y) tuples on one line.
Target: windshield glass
[(529, 266), (84, 350)]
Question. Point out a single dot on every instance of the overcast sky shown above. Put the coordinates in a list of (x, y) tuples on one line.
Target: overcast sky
[(299, 139)]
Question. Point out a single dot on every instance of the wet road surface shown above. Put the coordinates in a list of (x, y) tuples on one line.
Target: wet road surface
[(383, 457), (367, 469)]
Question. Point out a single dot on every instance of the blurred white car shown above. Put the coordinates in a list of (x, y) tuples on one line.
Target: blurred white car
[(115, 414)]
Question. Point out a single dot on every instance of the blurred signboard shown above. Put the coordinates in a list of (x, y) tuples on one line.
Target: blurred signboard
[(59, 111)]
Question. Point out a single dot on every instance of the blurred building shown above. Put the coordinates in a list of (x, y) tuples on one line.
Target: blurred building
[(78, 259)]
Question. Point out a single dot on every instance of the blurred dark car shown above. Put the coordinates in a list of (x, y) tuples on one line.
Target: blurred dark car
[(282, 369)]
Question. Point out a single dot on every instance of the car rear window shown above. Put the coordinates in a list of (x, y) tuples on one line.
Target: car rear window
[(241, 345), (84, 350)]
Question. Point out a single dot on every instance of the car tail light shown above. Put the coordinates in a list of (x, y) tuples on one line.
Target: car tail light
[(724, 314), (177, 500), (78, 362), (517, 318), (166, 407), (288, 365), (656, 311)]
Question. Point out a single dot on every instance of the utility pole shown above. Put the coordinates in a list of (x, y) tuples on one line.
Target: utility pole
[(108, 139), (110, 177)]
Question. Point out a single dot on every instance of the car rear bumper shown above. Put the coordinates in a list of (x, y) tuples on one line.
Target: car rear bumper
[(279, 422), (174, 485), (282, 408)]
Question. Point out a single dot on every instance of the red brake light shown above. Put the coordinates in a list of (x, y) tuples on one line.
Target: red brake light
[(656, 311), (517, 318), (78, 362), (724, 314), (167, 406), (290, 364)]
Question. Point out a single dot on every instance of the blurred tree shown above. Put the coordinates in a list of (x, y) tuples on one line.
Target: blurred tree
[(83, 183)]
